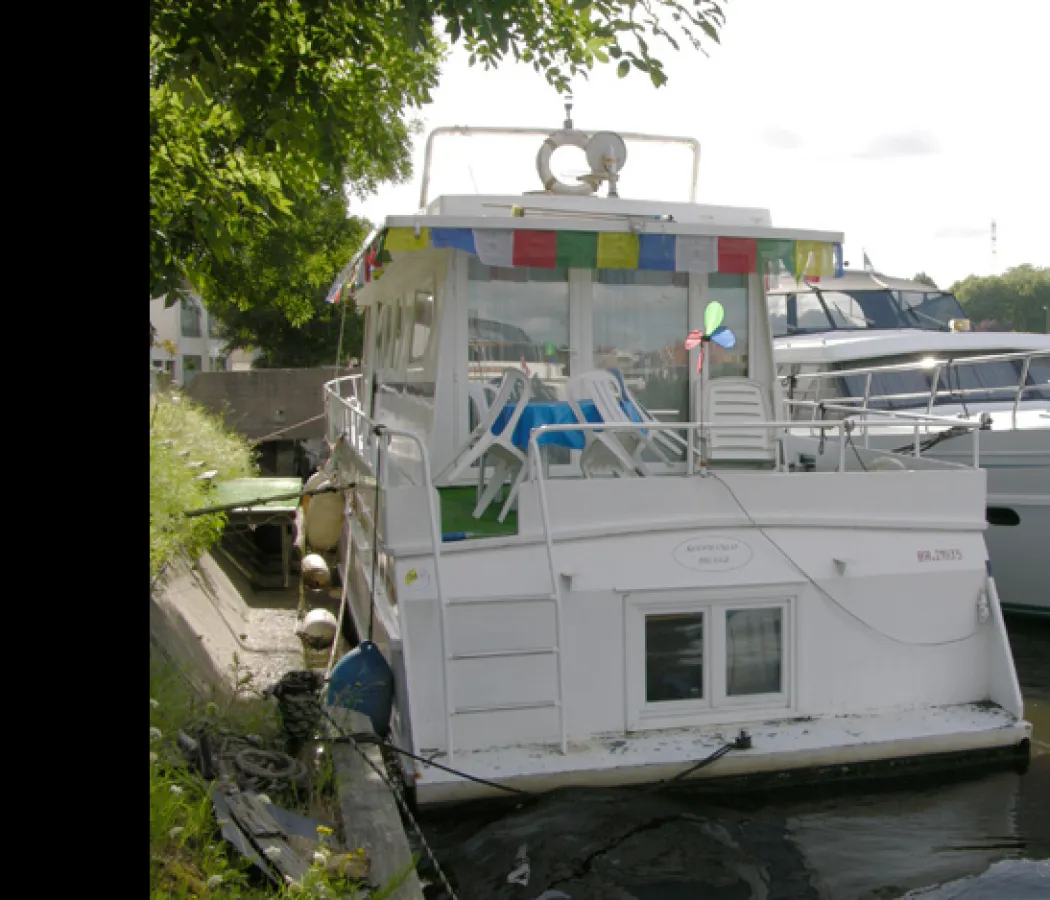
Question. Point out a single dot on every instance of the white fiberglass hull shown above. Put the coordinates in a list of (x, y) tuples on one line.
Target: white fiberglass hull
[(804, 748), (1018, 467)]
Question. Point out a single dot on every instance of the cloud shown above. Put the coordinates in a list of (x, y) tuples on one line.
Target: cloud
[(961, 231), (904, 143), (782, 138)]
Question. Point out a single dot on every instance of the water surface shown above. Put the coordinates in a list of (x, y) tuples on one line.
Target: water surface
[(979, 837)]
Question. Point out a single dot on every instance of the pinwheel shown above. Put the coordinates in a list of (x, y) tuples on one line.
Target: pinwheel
[(714, 330)]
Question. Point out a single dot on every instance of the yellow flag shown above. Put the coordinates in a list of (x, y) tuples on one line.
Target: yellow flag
[(399, 240), (617, 251), (814, 259)]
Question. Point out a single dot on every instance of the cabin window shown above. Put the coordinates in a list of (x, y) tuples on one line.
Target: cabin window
[(754, 652), (692, 654), (640, 320), (844, 310), (394, 342), (731, 292), (422, 320), (778, 316), (674, 657), (518, 317), (382, 334)]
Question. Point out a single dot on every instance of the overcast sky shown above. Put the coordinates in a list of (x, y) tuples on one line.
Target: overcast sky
[(908, 124)]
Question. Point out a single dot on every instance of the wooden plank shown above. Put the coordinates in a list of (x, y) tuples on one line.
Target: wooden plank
[(254, 820), (371, 818)]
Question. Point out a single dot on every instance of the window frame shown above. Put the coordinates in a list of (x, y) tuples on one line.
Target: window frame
[(765, 701), (190, 310), (642, 715), (426, 287)]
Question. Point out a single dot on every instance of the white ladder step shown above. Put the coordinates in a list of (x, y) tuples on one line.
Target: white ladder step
[(501, 707), (490, 654), (522, 598)]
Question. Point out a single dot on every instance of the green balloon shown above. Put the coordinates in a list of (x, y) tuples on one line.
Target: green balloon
[(713, 316), (549, 350)]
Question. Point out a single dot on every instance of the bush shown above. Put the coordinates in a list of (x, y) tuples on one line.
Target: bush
[(182, 435)]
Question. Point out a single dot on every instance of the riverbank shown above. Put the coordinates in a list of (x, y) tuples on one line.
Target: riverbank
[(241, 803)]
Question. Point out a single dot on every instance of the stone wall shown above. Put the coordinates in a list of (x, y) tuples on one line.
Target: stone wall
[(261, 402)]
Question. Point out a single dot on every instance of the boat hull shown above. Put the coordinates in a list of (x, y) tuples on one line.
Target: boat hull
[(783, 754)]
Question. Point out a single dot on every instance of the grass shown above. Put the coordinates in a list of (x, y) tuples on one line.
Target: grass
[(188, 856), (185, 442), (457, 514)]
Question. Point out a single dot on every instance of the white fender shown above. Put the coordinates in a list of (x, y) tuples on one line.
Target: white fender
[(543, 162)]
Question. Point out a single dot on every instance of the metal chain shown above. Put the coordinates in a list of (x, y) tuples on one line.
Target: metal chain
[(403, 804)]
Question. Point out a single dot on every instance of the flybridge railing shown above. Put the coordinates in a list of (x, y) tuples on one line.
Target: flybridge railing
[(695, 432), (342, 402), (936, 369), (918, 423), (346, 418)]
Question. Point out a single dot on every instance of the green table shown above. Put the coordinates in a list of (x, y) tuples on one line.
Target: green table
[(255, 494)]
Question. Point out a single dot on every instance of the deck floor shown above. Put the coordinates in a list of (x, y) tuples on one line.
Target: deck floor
[(457, 515)]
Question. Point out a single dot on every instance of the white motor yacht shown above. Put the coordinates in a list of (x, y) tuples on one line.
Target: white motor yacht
[(866, 343), (585, 542)]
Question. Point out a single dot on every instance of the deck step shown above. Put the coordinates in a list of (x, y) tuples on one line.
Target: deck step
[(490, 654), (520, 598), (501, 707)]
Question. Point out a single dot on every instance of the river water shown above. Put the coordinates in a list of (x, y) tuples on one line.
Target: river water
[(981, 837)]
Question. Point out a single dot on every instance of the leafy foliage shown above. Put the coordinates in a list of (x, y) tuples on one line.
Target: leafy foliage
[(258, 105), (273, 295), (923, 278), (312, 343), (563, 39), (1014, 301), (261, 109)]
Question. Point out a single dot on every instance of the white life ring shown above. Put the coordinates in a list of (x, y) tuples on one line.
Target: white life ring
[(543, 162)]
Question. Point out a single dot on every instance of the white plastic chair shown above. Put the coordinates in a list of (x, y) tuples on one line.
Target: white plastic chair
[(665, 444), (482, 442), (482, 396), (617, 451), (735, 400)]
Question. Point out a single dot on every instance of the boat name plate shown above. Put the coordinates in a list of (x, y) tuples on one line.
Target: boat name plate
[(712, 553)]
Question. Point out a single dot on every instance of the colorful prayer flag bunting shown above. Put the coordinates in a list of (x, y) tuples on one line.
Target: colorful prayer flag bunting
[(509, 247)]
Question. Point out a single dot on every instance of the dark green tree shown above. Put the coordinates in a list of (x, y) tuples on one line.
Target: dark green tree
[(923, 278), (1015, 300), (275, 296), (259, 106)]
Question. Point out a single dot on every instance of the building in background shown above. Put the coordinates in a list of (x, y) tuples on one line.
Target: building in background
[(184, 343)]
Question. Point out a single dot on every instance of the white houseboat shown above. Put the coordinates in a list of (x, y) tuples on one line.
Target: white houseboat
[(645, 580), (869, 344)]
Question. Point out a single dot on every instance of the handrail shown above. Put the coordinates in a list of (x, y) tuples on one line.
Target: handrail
[(935, 367), (925, 366), (692, 143), (919, 419), (841, 425), (353, 408)]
